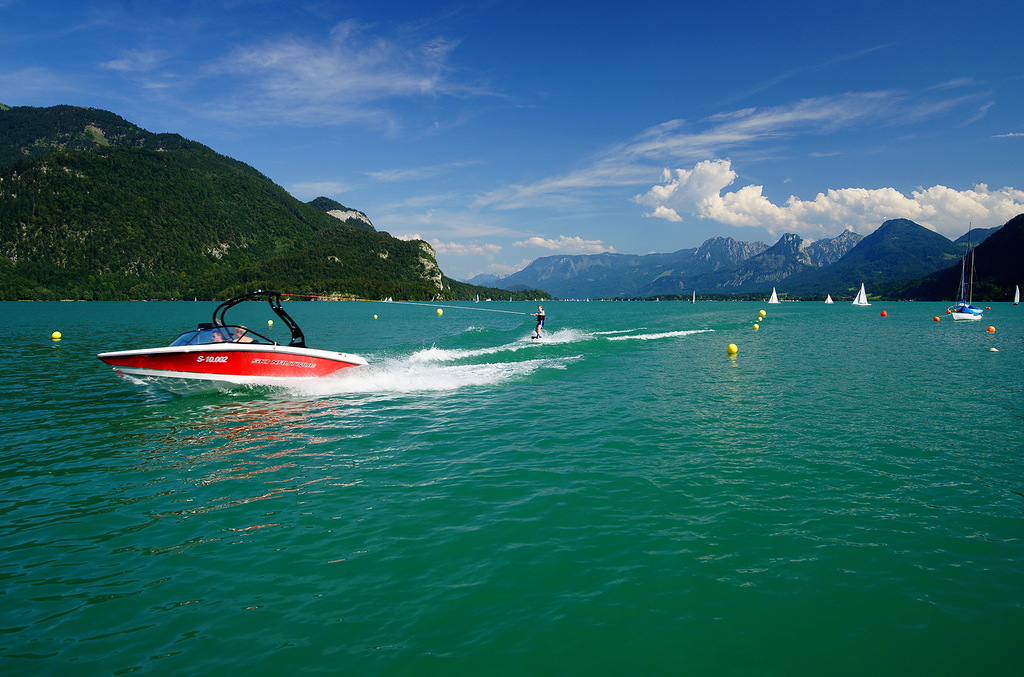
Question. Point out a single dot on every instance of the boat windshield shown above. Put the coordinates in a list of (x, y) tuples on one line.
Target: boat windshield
[(205, 335)]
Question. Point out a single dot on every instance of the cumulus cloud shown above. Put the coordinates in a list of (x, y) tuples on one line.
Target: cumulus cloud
[(571, 245), (700, 192)]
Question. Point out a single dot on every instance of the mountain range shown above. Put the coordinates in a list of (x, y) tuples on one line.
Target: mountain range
[(892, 260), (95, 207)]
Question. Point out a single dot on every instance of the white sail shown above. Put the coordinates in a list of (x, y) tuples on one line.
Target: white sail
[(774, 298), (1016, 296), (694, 297), (828, 298), (862, 297)]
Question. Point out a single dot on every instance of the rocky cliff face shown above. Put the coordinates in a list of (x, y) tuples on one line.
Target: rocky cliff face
[(828, 251)]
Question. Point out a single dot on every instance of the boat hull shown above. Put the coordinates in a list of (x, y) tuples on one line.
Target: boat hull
[(231, 363), (965, 316)]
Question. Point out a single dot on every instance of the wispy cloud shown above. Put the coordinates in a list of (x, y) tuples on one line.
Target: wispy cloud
[(418, 173), (676, 143), (138, 61), (346, 77), (1008, 135)]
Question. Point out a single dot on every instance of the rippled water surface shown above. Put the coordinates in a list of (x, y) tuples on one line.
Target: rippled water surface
[(843, 497)]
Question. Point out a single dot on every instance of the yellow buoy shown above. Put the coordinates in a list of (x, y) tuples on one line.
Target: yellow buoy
[(440, 312), (375, 317), (732, 349), (270, 323), (56, 336), (761, 313), (756, 326)]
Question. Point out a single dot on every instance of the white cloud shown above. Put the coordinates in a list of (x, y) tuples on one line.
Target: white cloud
[(1008, 135), (571, 245), (699, 192)]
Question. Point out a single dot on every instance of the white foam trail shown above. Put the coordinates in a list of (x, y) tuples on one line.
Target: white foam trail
[(651, 337), (560, 336), (410, 377), (435, 354), (616, 331)]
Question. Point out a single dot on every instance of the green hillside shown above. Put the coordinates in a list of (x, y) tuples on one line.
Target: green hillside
[(998, 269), (93, 207)]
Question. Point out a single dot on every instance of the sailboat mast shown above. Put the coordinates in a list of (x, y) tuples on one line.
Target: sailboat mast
[(970, 283)]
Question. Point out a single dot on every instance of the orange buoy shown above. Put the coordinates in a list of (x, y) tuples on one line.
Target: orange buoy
[(991, 330), (884, 314), (936, 318), (948, 311), (988, 307)]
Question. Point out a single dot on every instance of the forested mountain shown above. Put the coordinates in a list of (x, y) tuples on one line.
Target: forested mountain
[(94, 207), (997, 263)]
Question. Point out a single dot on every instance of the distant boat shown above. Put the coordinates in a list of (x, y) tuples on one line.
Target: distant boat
[(694, 297), (963, 309), (1016, 295), (774, 298), (828, 298), (862, 297)]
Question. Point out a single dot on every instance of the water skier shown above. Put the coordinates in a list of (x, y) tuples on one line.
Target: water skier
[(540, 322)]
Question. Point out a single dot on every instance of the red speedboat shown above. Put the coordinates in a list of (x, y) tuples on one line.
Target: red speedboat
[(218, 353)]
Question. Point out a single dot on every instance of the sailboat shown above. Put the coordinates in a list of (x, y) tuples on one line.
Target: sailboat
[(862, 297), (774, 298), (963, 309), (828, 298), (1016, 295), (694, 297)]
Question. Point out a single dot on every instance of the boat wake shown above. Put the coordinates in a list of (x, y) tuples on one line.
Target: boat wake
[(562, 336), (416, 375), (437, 369), (660, 335)]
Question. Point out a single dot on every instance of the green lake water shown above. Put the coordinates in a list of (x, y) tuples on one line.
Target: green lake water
[(842, 497)]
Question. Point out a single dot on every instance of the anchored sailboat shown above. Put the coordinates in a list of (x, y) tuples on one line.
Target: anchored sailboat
[(964, 308), (862, 297)]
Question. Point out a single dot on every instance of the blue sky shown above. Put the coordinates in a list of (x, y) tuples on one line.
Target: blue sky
[(507, 130)]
